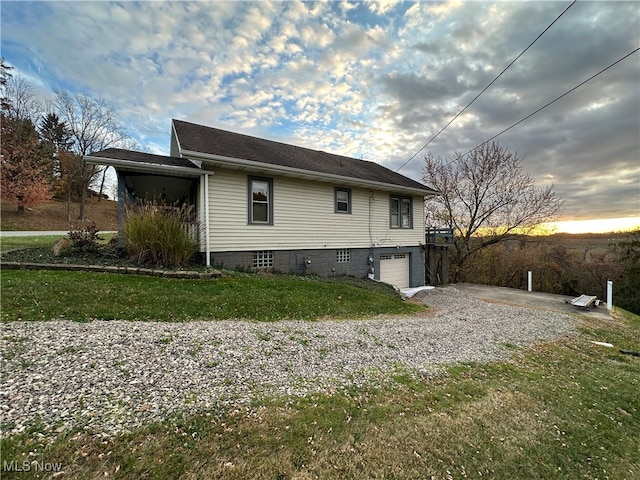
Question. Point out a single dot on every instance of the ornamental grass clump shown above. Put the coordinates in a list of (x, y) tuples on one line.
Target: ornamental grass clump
[(160, 234)]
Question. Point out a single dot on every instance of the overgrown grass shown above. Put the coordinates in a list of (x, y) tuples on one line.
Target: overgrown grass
[(81, 296), (563, 410), (156, 234)]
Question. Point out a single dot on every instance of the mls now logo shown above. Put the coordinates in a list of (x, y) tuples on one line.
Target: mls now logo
[(26, 466)]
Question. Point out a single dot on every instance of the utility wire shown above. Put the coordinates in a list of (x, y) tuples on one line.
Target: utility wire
[(485, 88), (554, 100)]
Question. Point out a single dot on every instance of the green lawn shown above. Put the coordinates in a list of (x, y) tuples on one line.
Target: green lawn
[(82, 296), (11, 243), (44, 242)]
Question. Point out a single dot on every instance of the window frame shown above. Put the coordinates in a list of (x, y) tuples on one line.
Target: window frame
[(336, 202), (401, 201), (250, 201)]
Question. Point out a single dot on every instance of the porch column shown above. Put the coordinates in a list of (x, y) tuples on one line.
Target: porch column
[(207, 233), (122, 204)]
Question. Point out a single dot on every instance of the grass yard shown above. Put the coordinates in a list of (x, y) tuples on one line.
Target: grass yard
[(12, 243), (563, 410), (83, 296)]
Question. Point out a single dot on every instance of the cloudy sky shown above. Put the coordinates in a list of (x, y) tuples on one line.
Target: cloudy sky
[(373, 80)]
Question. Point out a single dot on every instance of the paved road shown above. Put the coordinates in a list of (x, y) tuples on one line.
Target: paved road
[(37, 233), (514, 296)]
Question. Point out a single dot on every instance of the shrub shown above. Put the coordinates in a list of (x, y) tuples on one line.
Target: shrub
[(85, 237), (159, 234)]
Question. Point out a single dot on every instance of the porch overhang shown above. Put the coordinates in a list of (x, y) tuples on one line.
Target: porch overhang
[(150, 168)]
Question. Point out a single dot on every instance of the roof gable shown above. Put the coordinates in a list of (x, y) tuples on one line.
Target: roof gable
[(194, 139)]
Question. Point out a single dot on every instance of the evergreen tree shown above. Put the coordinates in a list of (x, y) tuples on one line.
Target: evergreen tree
[(54, 137)]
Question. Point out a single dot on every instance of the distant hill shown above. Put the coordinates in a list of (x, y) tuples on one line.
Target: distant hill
[(54, 215)]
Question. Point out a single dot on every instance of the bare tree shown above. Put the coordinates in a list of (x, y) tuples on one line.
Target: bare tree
[(93, 126), (20, 100), (486, 198)]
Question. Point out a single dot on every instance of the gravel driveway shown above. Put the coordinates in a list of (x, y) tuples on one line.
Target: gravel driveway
[(111, 376)]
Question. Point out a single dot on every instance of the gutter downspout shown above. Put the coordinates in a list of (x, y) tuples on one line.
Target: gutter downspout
[(207, 234)]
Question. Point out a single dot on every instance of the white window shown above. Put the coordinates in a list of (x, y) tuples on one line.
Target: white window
[(343, 200), (263, 259), (343, 255), (260, 200)]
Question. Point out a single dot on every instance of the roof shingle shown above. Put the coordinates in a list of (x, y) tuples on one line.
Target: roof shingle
[(212, 141), (142, 157)]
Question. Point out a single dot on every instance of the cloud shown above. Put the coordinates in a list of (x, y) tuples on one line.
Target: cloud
[(373, 80)]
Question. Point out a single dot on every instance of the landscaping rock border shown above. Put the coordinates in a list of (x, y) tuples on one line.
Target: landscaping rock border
[(184, 274)]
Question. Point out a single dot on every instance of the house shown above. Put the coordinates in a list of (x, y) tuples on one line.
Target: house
[(264, 204)]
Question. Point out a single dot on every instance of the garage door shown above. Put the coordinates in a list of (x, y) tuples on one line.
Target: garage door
[(394, 269)]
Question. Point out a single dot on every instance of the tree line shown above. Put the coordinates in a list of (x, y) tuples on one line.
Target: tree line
[(43, 143), (495, 209)]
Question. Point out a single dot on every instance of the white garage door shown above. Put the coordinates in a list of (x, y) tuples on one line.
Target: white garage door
[(394, 269)]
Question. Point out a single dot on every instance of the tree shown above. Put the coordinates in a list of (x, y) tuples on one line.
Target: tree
[(24, 170), (55, 139), (93, 126), (5, 75), (20, 99), (626, 291), (55, 133), (486, 197), (70, 182)]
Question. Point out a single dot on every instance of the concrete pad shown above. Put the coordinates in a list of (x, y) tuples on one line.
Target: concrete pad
[(522, 298)]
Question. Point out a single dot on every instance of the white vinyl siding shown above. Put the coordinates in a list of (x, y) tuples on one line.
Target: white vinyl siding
[(303, 217)]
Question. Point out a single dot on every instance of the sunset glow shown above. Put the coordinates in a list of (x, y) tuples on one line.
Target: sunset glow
[(600, 225)]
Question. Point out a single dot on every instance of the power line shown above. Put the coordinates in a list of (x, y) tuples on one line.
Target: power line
[(554, 100), (485, 88)]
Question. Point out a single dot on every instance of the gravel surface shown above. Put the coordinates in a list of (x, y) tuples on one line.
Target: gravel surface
[(112, 376)]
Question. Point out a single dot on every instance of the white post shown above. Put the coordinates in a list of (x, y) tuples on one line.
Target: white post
[(207, 238), (529, 281), (609, 294)]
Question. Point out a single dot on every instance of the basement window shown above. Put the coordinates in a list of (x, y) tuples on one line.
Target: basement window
[(343, 255), (263, 259)]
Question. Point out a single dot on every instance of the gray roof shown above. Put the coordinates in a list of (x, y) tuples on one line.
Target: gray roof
[(199, 139), (132, 161), (142, 157)]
